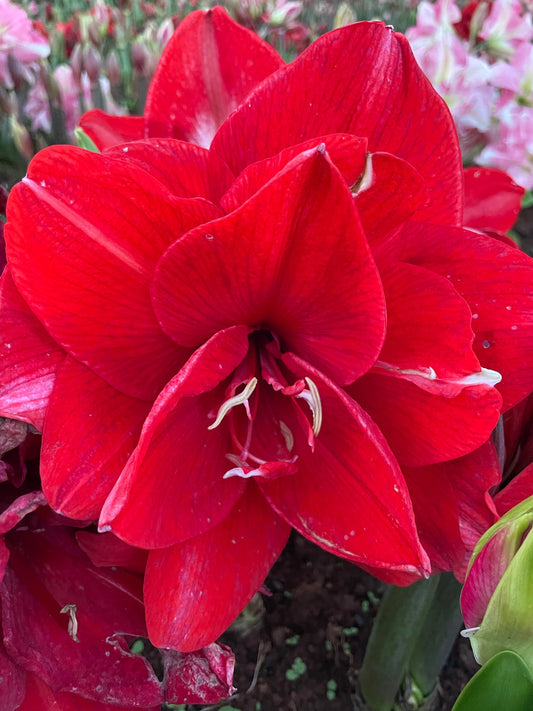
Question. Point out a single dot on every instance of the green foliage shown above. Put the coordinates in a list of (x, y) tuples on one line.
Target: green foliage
[(504, 682)]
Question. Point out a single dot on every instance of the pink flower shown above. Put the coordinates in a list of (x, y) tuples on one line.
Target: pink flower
[(506, 26), (290, 329), (18, 40)]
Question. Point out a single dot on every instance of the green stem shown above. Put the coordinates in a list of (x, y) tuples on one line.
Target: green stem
[(392, 641), (437, 635)]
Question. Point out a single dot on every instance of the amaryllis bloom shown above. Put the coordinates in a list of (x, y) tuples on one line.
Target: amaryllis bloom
[(287, 329), (71, 606), (18, 40)]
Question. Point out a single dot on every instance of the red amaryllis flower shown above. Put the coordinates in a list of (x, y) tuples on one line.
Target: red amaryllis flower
[(66, 623), (276, 332)]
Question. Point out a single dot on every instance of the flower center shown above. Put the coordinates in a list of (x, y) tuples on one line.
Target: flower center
[(276, 441)]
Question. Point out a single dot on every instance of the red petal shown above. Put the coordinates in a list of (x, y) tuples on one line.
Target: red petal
[(453, 507), (208, 67), (106, 131), (428, 323), (194, 590), (334, 502), (492, 200), (29, 358), (427, 420), (394, 193), (90, 431), (495, 280), (172, 487), (46, 572), (13, 514), (348, 153), (85, 271), (483, 578), (204, 677), (292, 259), (361, 79), (183, 168), (106, 550), (13, 683), (520, 488)]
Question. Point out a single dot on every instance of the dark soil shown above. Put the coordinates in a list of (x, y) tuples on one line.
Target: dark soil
[(301, 648)]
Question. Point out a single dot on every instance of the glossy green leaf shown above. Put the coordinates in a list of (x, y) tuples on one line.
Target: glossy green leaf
[(503, 683)]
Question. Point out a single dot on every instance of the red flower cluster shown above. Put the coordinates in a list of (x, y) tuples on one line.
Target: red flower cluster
[(260, 313)]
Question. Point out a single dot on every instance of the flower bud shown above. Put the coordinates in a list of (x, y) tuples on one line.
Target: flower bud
[(497, 597), (112, 67)]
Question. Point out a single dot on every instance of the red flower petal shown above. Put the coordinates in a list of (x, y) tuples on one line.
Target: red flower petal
[(453, 507), (184, 169), (492, 200), (515, 491), (194, 590), (349, 495), (90, 431), (106, 550), (495, 280), (29, 358), (38, 585), (395, 191), (204, 677), (428, 323), (13, 683), (292, 259), (361, 79), (172, 487), (348, 153), (425, 419), (208, 67), (85, 271), (106, 131)]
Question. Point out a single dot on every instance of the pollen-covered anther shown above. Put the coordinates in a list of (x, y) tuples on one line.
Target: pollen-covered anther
[(240, 399), (72, 621), (312, 398)]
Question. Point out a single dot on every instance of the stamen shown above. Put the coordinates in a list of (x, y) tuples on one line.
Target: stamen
[(312, 398), (287, 435), (240, 399), (239, 471), (72, 621)]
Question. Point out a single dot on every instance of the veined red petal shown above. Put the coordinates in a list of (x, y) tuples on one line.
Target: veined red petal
[(428, 323), (515, 491), (194, 590), (348, 495), (426, 419), (29, 358), (90, 431), (83, 261), (172, 488), (106, 550), (107, 131), (294, 260), (186, 170), (492, 200), (347, 152), (208, 67), (361, 79), (391, 191), (13, 683), (495, 280)]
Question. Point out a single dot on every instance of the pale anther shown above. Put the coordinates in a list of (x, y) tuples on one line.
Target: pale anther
[(312, 398), (231, 402), (72, 621), (287, 435)]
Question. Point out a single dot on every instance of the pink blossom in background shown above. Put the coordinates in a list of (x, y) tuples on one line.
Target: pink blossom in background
[(75, 97), (487, 82), (512, 150), (506, 27), (19, 40)]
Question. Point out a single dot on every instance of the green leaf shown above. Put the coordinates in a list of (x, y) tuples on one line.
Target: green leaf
[(83, 140), (503, 683)]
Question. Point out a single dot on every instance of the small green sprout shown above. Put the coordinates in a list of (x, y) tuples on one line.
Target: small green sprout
[(298, 668)]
